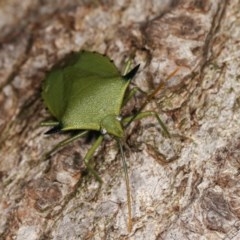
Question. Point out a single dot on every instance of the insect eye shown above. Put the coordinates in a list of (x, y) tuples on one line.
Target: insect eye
[(119, 118), (103, 131)]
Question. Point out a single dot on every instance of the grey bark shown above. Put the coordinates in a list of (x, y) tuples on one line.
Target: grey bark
[(183, 187)]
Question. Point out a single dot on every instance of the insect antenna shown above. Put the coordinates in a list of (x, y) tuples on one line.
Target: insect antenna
[(125, 169)]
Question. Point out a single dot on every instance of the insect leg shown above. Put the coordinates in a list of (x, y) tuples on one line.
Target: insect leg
[(141, 115), (65, 142), (89, 155), (148, 99), (49, 124), (131, 94)]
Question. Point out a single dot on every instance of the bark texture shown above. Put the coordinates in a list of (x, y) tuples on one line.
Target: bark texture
[(185, 187)]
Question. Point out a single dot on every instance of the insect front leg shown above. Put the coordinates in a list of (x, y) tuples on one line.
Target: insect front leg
[(89, 155), (131, 94), (141, 115)]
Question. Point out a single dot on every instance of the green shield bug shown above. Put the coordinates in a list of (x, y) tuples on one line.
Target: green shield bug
[(87, 94)]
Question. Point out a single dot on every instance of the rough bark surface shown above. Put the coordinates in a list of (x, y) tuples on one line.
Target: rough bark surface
[(185, 187)]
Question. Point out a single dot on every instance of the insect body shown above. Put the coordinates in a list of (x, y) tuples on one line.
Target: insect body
[(87, 94)]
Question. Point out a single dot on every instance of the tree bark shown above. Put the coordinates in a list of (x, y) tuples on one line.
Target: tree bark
[(183, 187)]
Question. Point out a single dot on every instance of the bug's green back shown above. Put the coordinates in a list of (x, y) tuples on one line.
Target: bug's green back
[(53, 93), (83, 93)]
